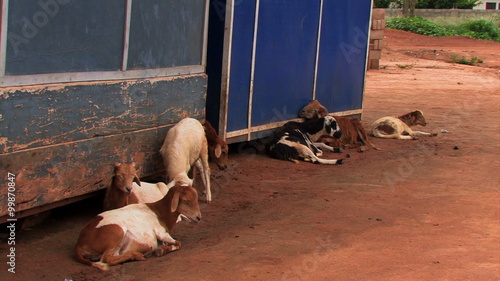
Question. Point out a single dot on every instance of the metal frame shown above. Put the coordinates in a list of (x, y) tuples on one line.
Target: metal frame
[(246, 134), (49, 78)]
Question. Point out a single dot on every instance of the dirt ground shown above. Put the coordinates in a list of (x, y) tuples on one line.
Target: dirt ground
[(426, 209)]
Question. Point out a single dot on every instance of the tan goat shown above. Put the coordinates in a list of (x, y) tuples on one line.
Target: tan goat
[(137, 230), (126, 188), (390, 127), (217, 147)]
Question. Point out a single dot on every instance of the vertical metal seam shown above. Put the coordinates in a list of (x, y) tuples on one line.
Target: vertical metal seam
[(226, 68), (205, 35), (367, 54), (316, 66), (252, 71), (3, 36), (126, 34)]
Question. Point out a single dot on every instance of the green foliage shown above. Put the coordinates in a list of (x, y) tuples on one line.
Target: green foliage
[(446, 4), (382, 3), (476, 28), (481, 29), (417, 25), (464, 60)]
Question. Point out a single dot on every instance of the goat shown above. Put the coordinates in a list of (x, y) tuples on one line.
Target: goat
[(184, 146), (126, 188), (314, 109), (390, 127), (217, 147), (137, 230), (294, 141), (353, 133)]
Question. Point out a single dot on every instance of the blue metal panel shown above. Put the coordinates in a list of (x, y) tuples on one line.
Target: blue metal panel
[(241, 61), (342, 56), (285, 59)]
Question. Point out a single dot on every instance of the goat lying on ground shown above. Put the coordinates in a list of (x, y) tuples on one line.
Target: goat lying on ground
[(185, 145), (399, 127), (137, 230), (294, 141), (217, 147), (126, 188), (353, 133)]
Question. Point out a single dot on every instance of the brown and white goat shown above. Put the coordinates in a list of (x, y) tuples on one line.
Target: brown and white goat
[(353, 133), (184, 146), (126, 188), (137, 230), (390, 127), (217, 147)]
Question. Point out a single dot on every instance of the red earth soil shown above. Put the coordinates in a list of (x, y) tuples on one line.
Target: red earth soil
[(426, 209)]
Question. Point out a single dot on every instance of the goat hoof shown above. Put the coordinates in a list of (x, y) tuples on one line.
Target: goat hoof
[(340, 161), (139, 257), (337, 150)]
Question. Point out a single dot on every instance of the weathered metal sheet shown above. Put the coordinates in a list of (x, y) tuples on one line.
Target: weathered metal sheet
[(64, 36), (153, 34), (45, 115), (85, 128)]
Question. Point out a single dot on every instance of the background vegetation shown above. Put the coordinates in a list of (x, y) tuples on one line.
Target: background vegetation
[(486, 28), (432, 4)]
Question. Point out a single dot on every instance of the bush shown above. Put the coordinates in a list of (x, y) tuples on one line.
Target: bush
[(481, 29), (475, 28), (417, 25)]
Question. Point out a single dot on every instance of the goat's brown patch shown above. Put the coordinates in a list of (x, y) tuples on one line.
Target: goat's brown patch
[(386, 128)]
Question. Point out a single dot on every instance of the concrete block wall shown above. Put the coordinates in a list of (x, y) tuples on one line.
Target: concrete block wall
[(376, 38)]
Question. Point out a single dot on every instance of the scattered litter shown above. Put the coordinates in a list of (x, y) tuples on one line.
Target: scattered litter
[(456, 147), (444, 131), (348, 156)]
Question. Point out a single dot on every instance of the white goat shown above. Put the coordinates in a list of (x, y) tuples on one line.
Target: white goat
[(186, 145), (137, 230), (390, 127)]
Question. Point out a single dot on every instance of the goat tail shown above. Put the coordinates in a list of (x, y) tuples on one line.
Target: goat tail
[(101, 265), (364, 138), (80, 256)]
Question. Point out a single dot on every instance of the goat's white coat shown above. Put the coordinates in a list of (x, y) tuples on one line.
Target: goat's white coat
[(184, 146), (139, 223), (402, 130), (149, 192)]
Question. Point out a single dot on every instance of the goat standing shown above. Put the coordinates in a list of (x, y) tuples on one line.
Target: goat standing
[(184, 146)]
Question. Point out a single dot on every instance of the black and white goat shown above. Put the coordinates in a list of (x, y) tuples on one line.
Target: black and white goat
[(298, 141)]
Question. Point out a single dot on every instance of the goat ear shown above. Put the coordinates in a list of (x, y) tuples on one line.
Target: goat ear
[(137, 180), (218, 151), (175, 201)]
